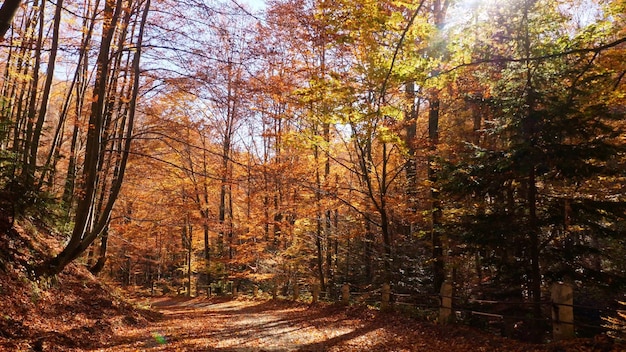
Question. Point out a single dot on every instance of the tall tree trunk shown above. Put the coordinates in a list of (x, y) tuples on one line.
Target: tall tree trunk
[(439, 13), (368, 251), (34, 148), (81, 89), (204, 212), (411, 163), (529, 133), (329, 251), (319, 231), (31, 135), (437, 246), (7, 12), (189, 254)]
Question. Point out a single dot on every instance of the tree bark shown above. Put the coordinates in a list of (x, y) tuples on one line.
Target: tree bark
[(7, 12), (34, 148), (439, 12), (99, 265), (439, 275)]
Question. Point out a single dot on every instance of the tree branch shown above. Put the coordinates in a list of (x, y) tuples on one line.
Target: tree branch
[(595, 50)]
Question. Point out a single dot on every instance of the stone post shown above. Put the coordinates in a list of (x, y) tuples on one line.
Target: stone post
[(345, 294), (385, 294), (562, 311), (296, 291), (445, 310), (316, 293)]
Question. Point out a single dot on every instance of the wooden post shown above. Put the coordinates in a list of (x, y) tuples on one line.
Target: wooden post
[(445, 310), (296, 291), (345, 294), (562, 311), (316, 293), (255, 291), (275, 290), (385, 293), (235, 293)]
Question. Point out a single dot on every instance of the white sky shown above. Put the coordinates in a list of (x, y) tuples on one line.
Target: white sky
[(255, 4)]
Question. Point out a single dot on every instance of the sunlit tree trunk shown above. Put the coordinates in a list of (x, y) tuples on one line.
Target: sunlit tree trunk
[(319, 229), (80, 88), (34, 148), (31, 134), (411, 134)]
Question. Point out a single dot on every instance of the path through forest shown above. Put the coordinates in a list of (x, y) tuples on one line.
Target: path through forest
[(248, 325), (244, 325)]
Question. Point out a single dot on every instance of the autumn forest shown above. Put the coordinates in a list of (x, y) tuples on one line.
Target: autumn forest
[(193, 146)]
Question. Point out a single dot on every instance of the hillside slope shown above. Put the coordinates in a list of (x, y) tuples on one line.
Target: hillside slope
[(72, 311)]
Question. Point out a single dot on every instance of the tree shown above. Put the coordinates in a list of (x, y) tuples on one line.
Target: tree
[(88, 224), (552, 133)]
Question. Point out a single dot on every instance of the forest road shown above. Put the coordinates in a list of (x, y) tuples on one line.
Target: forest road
[(200, 324), (197, 324)]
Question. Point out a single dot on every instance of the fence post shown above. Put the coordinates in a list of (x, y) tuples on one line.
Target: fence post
[(445, 310), (296, 292), (562, 311), (384, 299), (255, 291), (316, 293), (274, 290), (345, 294), (235, 292)]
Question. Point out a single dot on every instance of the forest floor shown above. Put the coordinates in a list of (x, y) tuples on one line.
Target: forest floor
[(75, 311), (201, 324)]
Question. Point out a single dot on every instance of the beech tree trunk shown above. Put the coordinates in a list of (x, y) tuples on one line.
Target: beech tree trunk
[(7, 12), (439, 12)]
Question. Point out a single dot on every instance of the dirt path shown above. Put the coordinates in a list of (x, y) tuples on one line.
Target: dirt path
[(243, 325)]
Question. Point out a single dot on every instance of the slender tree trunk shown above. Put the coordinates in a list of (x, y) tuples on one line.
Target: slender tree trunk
[(319, 232), (529, 133), (21, 92), (80, 88), (320, 254), (411, 134), (439, 276), (45, 96), (436, 243), (204, 212), (189, 255), (368, 251), (32, 133)]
